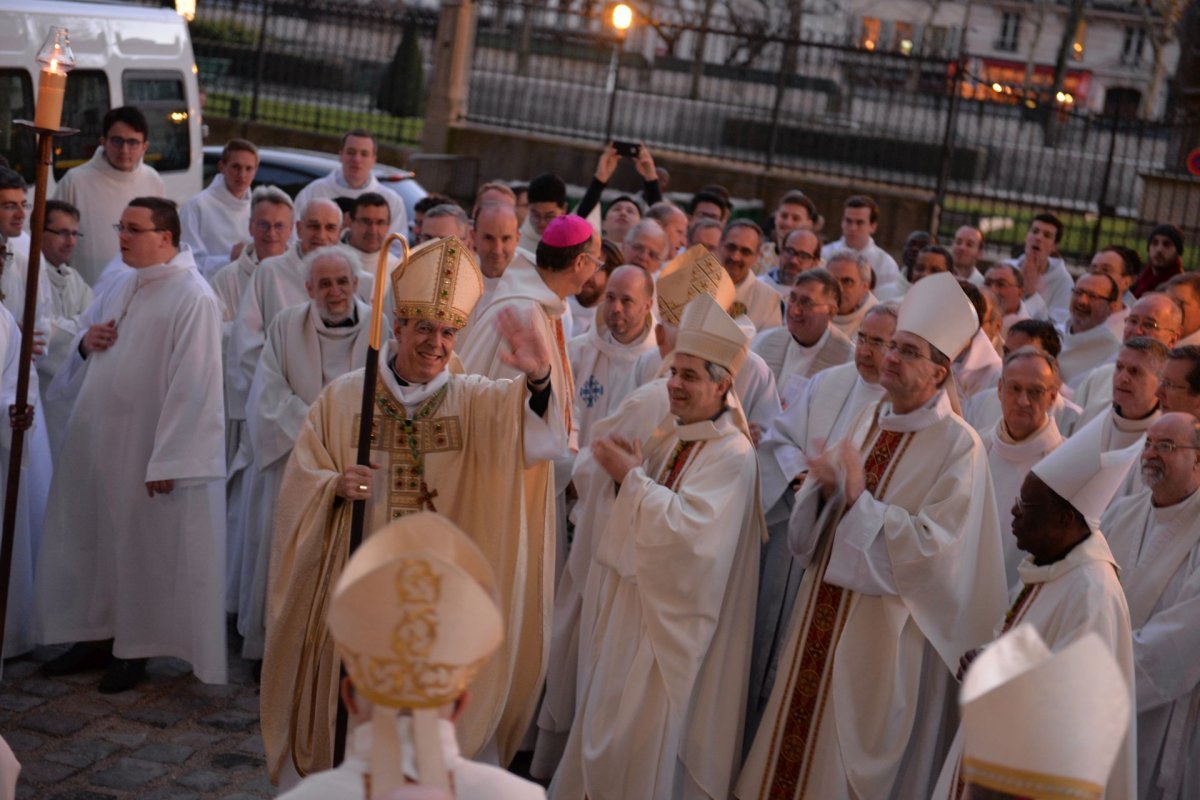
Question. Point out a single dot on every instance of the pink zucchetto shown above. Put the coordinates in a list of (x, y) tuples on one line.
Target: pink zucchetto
[(568, 230)]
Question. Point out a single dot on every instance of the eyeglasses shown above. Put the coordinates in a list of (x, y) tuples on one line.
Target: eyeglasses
[(9, 208), (279, 227), (1165, 447), (1173, 386), (1078, 294), (120, 142), (544, 219), (132, 231), (871, 342), (1034, 393), (1145, 324), (66, 233), (799, 255), (906, 352)]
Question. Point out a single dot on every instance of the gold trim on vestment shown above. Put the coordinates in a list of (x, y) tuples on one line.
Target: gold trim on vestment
[(1025, 783)]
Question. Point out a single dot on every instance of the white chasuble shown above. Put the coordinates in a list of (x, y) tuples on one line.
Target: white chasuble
[(116, 563), (464, 446), (896, 588), (666, 655)]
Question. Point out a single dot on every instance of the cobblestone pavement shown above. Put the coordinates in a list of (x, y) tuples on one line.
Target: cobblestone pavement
[(171, 737)]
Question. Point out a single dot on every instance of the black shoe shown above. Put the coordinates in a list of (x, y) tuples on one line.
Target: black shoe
[(122, 675), (82, 657)]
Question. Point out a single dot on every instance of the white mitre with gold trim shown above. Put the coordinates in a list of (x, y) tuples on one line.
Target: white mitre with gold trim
[(693, 272), (1043, 725), (414, 617), (707, 332), (440, 281)]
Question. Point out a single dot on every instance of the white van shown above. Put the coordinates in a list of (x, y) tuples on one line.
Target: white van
[(124, 55)]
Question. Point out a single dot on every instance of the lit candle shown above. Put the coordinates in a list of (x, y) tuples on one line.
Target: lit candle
[(52, 85)]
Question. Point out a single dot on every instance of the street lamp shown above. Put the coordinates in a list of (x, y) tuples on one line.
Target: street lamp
[(57, 60), (621, 18)]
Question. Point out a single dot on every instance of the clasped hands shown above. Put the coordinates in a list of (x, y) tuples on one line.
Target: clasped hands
[(840, 462)]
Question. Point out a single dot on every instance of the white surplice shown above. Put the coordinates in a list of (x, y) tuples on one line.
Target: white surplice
[(851, 322), (302, 354), (1158, 550), (101, 192), (1009, 462), (922, 581), (1074, 596), (334, 185), (1084, 352), (667, 649), (759, 302), (604, 373), (229, 281), (212, 222), (115, 563)]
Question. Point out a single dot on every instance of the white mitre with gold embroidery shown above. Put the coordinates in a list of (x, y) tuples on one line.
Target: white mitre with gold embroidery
[(1043, 725), (414, 618), (937, 310), (440, 281), (693, 272), (707, 332)]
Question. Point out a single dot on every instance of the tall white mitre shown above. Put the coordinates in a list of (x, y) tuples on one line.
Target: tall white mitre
[(1037, 724), (937, 310), (706, 331), (1084, 474), (693, 272), (414, 617), (440, 281)]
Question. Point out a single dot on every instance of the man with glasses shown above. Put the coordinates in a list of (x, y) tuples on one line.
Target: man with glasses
[(801, 251), (358, 154), (808, 343), (1024, 435), (825, 408), (215, 220), (103, 187), (897, 531), (644, 246), (741, 242), (369, 221), (1155, 316), (1155, 537), (1006, 283), (1087, 341), (271, 213), (131, 553)]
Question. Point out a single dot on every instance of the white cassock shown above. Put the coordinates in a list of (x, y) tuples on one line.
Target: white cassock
[(212, 222), (978, 369), (982, 411), (471, 781), (1009, 462), (101, 193), (850, 323), (115, 563), (662, 666), (302, 354), (637, 417), (369, 262), (229, 281), (1158, 550), (1095, 392), (1063, 601), (793, 364), (1084, 352), (759, 302), (1116, 320), (896, 588), (20, 633), (334, 185), (819, 418), (1053, 290), (753, 384), (1022, 313), (604, 373), (1117, 433), (882, 264)]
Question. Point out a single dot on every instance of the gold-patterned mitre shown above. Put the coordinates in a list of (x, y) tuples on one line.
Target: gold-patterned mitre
[(414, 615), (693, 272), (440, 282)]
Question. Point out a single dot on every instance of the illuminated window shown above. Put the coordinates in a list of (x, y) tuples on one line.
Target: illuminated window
[(869, 32)]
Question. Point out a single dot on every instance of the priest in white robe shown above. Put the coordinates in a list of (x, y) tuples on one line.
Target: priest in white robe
[(808, 342), (741, 244), (603, 359), (674, 578), (853, 275), (897, 530), (1155, 537), (818, 418), (1069, 578), (1048, 283), (1023, 436), (369, 220), (307, 346), (215, 220), (358, 154), (271, 221), (460, 444), (1088, 341), (494, 237), (102, 187), (133, 550)]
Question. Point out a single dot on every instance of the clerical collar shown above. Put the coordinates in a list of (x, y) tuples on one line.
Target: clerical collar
[(392, 367), (1120, 416)]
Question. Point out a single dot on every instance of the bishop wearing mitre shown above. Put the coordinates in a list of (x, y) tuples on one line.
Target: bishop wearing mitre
[(461, 445)]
